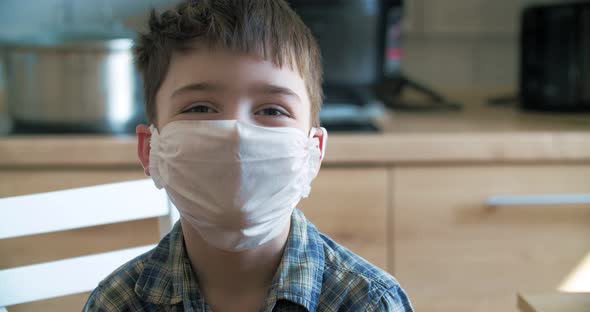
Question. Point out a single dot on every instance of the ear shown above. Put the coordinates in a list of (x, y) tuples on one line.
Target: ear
[(322, 134), (143, 146)]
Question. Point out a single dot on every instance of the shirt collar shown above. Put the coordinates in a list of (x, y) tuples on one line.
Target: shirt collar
[(167, 277), (299, 276), (163, 280)]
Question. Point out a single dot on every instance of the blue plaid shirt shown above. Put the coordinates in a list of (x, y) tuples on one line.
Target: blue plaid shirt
[(315, 274)]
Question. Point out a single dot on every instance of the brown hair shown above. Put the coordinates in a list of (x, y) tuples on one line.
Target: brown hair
[(266, 28)]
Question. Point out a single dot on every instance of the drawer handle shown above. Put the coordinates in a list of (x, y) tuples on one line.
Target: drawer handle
[(544, 199)]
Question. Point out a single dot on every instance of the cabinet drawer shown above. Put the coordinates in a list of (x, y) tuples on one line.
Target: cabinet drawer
[(350, 205), (452, 252)]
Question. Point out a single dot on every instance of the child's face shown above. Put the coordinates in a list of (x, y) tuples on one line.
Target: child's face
[(204, 84)]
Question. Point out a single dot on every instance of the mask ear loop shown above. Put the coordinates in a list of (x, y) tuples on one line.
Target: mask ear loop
[(322, 142), (153, 129)]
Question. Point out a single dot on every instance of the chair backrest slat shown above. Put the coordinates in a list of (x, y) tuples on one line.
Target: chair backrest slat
[(72, 209), (81, 207), (62, 277)]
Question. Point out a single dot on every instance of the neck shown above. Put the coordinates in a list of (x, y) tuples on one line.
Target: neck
[(220, 271)]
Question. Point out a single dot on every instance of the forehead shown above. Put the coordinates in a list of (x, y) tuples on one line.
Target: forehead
[(235, 70)]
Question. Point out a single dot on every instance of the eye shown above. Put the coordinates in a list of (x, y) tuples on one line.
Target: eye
[(273, 111), (201, 108)]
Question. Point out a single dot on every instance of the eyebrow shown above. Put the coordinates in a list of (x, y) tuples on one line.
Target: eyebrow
[(211, 86), (201, 86), (274, 89)]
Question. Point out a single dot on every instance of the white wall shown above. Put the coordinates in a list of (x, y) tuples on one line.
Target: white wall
[(464, 44)]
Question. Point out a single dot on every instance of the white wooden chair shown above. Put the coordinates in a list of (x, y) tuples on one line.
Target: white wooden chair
[(72, 209)]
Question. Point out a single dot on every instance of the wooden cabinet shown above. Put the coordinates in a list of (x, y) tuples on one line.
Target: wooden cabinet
[(350, 205), (428, 225), (452, 252)]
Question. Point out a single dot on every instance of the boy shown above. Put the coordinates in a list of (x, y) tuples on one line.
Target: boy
[(233, 92)]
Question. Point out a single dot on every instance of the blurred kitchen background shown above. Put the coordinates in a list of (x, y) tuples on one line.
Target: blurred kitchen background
[(433, 47), (459, 151)]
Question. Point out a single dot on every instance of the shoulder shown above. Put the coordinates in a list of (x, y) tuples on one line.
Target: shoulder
[(116, 292), (351, 281)]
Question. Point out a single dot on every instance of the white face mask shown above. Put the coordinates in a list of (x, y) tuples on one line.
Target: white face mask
[(235, 183)]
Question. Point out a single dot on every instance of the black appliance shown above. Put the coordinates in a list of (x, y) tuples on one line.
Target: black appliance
[(555, 57), (351, 35)]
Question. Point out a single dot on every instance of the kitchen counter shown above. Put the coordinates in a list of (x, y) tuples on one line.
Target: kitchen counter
[(480, 133)]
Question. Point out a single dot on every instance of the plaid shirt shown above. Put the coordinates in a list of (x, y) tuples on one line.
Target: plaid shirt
[(315, 274)]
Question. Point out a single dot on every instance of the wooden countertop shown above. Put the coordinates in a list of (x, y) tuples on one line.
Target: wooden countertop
[(480, 133)]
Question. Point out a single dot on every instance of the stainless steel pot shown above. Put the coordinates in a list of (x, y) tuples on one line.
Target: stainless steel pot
[(73, 83)]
